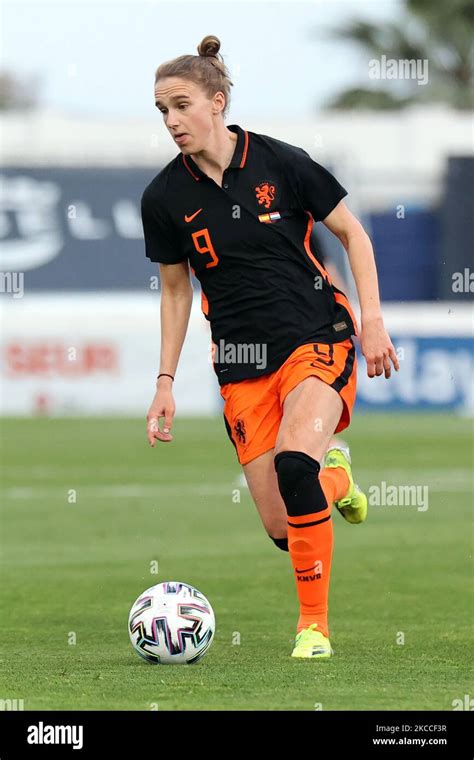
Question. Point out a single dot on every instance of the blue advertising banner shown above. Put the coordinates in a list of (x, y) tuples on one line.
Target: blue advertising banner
[(74, 229), (435, 374)]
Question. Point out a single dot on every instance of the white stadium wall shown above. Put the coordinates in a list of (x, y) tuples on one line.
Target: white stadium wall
[(98, 354), (384, 156)]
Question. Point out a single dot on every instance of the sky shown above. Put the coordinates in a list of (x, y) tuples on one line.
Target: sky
[(97, 59)]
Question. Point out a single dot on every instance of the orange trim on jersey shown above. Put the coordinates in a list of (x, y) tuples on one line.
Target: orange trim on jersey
[(342, 299), (307, 248), (244, 154), (204, 301), (339, 297), (189, 168)]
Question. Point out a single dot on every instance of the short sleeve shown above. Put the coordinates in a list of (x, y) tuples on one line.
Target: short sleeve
[(161, 244), (317, 189)]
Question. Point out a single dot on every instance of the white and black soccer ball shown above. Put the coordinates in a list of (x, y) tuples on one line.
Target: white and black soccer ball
[(171, 624)]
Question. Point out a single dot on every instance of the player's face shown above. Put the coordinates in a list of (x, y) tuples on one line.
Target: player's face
[(187, 112)]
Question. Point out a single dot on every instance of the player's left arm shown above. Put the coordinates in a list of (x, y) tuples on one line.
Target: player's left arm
[(375, 342)]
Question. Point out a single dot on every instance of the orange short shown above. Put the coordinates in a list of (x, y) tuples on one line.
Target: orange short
[(253, 408)]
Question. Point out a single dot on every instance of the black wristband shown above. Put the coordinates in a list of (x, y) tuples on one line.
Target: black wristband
[(165, 374)]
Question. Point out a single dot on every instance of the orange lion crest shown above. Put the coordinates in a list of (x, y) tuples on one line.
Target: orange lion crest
[(265, 194)]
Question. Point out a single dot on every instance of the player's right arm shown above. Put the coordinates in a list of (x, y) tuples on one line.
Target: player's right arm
[(176, 302)]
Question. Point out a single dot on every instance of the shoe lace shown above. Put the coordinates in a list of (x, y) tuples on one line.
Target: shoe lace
[(307, 633)]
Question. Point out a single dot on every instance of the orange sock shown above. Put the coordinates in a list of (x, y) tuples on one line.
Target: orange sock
[(334, 482), (310, 544)]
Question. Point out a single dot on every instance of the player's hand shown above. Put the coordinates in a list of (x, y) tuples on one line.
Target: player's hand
[(378, 349), (162, 408)]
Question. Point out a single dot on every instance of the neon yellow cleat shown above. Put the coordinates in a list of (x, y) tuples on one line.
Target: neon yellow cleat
[(312, 644), (353, 507)]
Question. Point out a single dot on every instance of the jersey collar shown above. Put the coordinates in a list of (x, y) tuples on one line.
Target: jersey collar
[(238, 159)]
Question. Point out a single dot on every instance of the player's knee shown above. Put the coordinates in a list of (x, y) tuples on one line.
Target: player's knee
[(282, 543), (299, 484)]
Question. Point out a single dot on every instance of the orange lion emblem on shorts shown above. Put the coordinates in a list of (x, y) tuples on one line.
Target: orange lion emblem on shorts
[(265, 194)]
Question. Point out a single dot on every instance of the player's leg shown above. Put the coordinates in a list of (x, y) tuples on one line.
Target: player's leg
[(263, 486), (252, 416), (311, 413), (262, 482)]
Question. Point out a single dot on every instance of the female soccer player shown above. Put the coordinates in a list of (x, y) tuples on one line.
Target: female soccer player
[(238, 209)]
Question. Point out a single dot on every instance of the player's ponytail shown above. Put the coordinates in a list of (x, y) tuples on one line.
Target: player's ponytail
[(206, 69)]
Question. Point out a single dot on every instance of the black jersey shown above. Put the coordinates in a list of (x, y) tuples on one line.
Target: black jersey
[(264, 288)]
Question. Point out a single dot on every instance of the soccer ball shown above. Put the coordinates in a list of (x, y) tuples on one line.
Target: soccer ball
[(171, 624)]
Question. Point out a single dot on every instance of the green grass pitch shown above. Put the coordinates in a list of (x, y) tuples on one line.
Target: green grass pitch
[(72, 568)]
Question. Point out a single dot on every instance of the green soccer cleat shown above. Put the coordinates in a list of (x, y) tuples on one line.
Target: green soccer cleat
[(353, 507), (312, 644)]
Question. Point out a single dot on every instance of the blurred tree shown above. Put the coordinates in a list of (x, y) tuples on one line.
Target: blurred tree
[(436, 31), (16, 94)]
